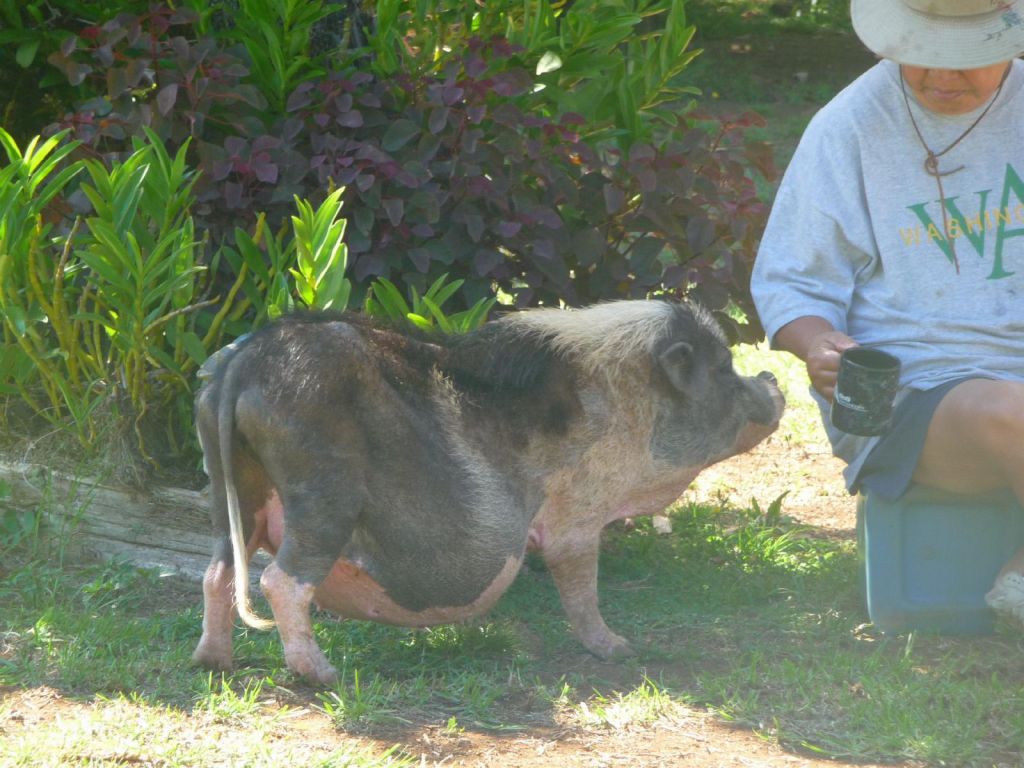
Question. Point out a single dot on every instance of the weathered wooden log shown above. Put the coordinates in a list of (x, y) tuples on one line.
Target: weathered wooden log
[(163, 528)]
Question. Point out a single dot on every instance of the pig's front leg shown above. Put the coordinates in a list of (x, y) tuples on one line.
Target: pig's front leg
[(572, 559)]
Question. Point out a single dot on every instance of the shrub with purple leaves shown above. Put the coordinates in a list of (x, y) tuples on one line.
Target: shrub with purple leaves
[(458, 171)]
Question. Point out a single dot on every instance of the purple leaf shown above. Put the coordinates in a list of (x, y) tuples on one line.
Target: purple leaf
[(395, 209), (235, 145), (548, 217), (137, 70), (180, 46), (452, 94), (486, 259), (398, 134), (368, 266), (233, 195), (298, 100), (263, 143), (105, 55), (545, 249), (221, 169), (266, 172), (406, 179), (508, 228), (700, 232), (614, 199), (437, 120), (475, 227), (642, 153), (420, 257), (166, 97), (350, 119), (346, 176), (475, 66), (648, 180), (588, 245)]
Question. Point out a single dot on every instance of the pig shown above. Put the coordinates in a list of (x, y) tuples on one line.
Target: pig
[(401, 478)]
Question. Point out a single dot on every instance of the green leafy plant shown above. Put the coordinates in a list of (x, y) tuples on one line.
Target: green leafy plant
[(32, 93), (276, 35), (321, 254), (102, 318), (617, 64), (33, 265), (305, 267), (143, 263), (471, 165), (426, 312)]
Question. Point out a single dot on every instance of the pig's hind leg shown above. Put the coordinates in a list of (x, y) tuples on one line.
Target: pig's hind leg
[(214, 650), (317, 525), (290, 599)]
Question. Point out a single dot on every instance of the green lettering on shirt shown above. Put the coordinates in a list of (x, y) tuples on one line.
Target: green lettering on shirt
[(1011, 183), (974, 234)]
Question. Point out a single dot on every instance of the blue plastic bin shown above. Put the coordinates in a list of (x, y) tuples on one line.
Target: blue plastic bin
[(928, 559)]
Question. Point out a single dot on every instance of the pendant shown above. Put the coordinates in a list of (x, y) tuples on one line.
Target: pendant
[(931, 166)]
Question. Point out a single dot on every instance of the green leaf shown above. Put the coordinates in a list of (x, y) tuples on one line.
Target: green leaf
[(398, 134), (442, 320), (419, 321), (252, 255), (390, 298), (440, 295)]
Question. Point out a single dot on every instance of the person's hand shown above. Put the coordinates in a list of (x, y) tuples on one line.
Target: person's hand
[(822, 358)]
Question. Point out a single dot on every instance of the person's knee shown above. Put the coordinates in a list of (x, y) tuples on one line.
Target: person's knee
[(976, 439), (997, 419)]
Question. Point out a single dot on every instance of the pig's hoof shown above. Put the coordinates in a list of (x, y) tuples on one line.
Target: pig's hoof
[(610, 648), (211, 662), (326, 677), (316, 671), (209, 659)]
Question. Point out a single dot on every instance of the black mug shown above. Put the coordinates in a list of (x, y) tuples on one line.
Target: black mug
[(865, 390)]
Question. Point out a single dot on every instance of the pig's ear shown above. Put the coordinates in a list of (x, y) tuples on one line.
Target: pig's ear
[(677, 364)]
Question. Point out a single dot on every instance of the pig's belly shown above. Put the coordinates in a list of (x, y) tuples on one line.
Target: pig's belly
[(353, 594)]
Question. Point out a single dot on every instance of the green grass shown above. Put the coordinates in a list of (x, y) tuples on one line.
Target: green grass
[(727, 19), (738, 611)]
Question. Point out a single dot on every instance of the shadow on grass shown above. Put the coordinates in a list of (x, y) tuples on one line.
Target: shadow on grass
[(736, 611)]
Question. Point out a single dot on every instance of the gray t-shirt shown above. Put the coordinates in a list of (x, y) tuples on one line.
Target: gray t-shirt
[(856, 234)]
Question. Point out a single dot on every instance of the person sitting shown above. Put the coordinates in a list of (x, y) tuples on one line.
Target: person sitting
[(899, 223)]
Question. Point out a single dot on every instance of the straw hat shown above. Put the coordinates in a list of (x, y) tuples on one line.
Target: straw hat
[(941, 34)]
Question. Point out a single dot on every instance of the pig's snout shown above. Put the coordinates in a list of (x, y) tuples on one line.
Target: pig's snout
[(770, 412)]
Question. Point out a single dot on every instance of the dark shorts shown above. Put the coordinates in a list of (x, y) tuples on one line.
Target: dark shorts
[(890, 466)]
